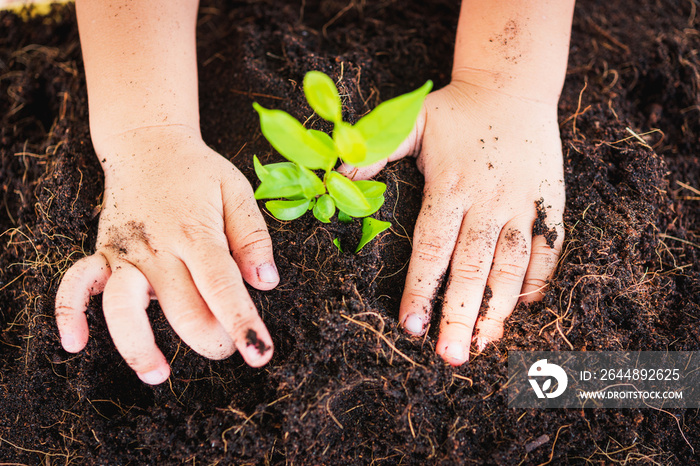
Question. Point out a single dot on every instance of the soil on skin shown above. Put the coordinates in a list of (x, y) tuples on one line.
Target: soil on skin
[(346, 386)]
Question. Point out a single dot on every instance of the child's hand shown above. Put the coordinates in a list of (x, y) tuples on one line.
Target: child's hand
[(487, 158), (174, 214)]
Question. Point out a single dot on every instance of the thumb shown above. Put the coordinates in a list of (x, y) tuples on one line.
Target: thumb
[(410, 146)]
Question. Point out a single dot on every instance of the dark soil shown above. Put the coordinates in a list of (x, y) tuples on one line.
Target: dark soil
[(346, 386)]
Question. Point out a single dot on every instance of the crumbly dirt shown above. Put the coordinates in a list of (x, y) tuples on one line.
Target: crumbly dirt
[(345, 385), (540, 226)]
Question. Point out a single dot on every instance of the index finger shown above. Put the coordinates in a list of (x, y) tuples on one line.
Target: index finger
[(219, 280), (434, 239)]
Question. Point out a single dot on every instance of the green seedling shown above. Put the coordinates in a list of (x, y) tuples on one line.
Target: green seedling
[(371, 227), (295, 185)]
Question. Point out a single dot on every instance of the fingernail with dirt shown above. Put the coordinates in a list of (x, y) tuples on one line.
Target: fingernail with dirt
[(267, 273), (255, 347), (154, 377), (481, 343), (413, 324)]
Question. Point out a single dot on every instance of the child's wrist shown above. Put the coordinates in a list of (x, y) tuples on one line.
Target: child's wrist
[(507, 85), (134, 145), (474, 91), (122, 116)]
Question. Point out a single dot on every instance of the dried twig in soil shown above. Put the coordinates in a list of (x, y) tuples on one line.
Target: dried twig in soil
[(383, 337)]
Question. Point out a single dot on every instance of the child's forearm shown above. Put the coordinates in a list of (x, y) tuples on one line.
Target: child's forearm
[(519, 47), (140, 63)]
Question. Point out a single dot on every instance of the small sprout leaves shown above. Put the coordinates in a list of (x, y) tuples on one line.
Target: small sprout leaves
[(293, 141), (371, 188), (326, 141), (374, 204), (260, 170), (288, 210), (388, 125), (350, 143), (288, 180), (324, 208), (373, 191), (281, 180), (295, 185), (336, 242), (322, 95), (371, 227), (311, 185), (343, 217), (348, 197)]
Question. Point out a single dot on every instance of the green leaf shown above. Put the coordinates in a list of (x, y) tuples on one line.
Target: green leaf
[(343, 217), (336, 242), (371, 227), (373, 191), (350, 143), (310, 184), (388, 125), (293, 141), (322, 95), (325, 140), (375, 203), (282, 180), (350, 198), (273, 167), (324, 208), (289, 180), (347, 196), (371, 188), (260, 170), (288, 210)]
